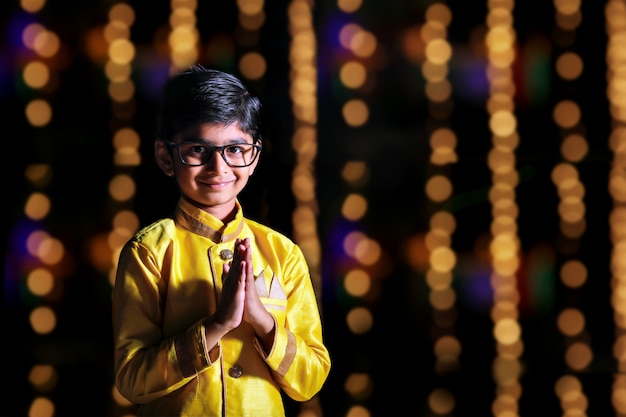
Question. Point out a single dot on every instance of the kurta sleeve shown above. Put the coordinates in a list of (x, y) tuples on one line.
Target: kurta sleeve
[(146, 365), (299, 360)]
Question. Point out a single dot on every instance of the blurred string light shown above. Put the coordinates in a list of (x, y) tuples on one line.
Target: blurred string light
[(45, 261), (303, 94), (361, 44), (505, 245), (183, 37), (125, 139), (442, 258), (356, 47), (615, 13), (252, 64), (571, 210)]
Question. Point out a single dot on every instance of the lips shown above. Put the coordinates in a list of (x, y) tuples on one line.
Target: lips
[(216, 184)]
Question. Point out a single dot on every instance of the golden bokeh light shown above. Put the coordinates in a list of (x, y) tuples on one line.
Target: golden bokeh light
[(571, 321), (441, 401), (367, 251), (353, 74), (355, 112), (122, 13), (40, 282), (349, 6), (43, 320), (566, 114), (578, 356), (358, 411), (121, 91), (38, 174), (32, 6), (41, 407), (569, 65), (357, 282), (363, 44), (252, 65), (46, 43), (36, 74), (438, 188), (507, 331), (442, 299), (355, 172), (354, 207), (37, 206), (43, 377), (358, 385), (437, 280), (38, 112), (122, 187), (359, 320)]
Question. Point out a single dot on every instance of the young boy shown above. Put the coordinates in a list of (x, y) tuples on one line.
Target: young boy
[(213, 313)]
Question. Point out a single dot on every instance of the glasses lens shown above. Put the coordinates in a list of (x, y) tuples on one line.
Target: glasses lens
[(240, 155), (195, 153)]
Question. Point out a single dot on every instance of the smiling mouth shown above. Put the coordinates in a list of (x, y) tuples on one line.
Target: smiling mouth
[(216, 185)]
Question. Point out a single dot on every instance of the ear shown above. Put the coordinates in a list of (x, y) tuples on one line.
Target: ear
[(163, 158)]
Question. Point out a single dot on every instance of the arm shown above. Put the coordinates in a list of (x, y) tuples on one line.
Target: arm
[(147, 365), (298, 358)]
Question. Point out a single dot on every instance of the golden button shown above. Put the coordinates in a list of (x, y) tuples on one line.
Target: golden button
[(226, 254), (236, 371)]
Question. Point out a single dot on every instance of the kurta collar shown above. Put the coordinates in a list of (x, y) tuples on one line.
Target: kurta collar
[(204, 224)]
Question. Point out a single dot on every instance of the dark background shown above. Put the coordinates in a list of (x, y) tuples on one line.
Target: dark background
[(397, 351)]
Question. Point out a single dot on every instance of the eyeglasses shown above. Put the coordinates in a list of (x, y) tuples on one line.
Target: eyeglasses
[(237, 155)]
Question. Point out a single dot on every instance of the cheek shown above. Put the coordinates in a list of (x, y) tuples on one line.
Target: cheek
[(251, 169), (184, 175)]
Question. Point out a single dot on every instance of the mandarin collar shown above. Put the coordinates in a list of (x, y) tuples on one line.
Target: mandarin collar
[(204, 224)]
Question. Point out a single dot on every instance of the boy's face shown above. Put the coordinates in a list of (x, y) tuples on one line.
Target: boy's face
[(214, 186)]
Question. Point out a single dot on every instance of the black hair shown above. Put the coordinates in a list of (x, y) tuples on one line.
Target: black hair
[(203, 95)]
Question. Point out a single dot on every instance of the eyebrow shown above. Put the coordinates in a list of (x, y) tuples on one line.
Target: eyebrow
[(232, 141)]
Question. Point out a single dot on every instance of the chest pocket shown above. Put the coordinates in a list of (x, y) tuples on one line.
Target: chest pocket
[(272, 294)]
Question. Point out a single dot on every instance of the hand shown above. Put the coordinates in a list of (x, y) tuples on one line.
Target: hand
[(254, 311), (231, 305)]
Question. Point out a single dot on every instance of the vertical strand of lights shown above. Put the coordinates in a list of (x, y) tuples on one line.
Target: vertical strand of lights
[(303, 94), (46, 254), (358, 45), (615, 14), (252, 64), (125, 139), (504, 246), (439, 189), (184, 37), (571, 210)]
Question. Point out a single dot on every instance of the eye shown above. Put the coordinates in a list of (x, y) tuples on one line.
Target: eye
[(235, 149), (198, 149)]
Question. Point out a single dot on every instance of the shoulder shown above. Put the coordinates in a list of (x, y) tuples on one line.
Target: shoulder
[(159, 228), (260, 229), (148, 245), (264, 234), (155, 234)]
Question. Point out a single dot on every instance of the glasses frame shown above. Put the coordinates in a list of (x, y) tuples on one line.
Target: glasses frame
[(219, 149)]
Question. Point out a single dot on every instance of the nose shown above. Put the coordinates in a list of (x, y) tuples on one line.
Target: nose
[(217, 162)]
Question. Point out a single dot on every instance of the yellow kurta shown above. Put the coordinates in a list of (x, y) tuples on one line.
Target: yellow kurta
[(169, 280)]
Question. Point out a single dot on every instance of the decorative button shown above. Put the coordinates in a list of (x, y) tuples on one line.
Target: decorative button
[(226, 254), (236, 371)]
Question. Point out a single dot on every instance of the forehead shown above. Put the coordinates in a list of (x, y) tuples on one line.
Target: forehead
[(216, 133)]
